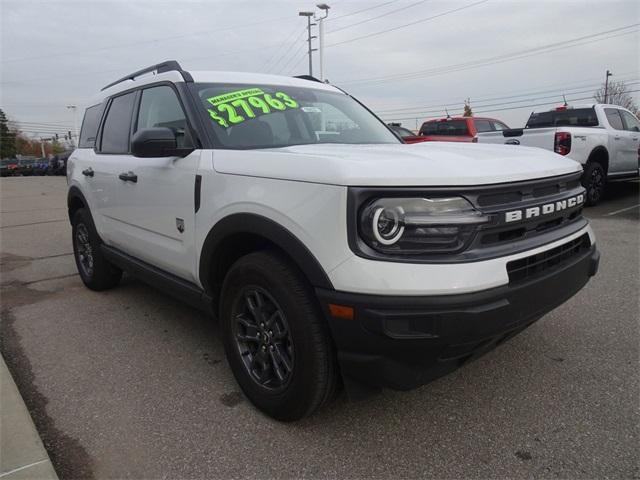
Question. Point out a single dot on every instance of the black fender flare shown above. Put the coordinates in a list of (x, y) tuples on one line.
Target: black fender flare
[(275, 233), (75, 193)]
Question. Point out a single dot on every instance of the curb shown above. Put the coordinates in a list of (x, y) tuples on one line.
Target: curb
[(22, 454)]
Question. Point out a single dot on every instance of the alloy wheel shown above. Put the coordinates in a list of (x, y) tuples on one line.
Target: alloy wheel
[(263, 338), (84, 250)]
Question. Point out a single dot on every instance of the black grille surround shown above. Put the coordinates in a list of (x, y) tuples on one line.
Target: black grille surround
[(495, 239), (535, 265)]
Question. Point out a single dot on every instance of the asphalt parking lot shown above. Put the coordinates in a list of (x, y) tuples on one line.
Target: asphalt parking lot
[(133, 384)]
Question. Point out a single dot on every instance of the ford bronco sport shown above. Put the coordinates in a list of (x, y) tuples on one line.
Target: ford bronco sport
[(331, 253)]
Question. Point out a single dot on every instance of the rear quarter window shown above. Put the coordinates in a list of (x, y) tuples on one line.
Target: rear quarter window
[(89, 130)]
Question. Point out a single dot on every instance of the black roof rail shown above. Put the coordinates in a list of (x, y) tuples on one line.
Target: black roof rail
[(168, 66), (311, 78)]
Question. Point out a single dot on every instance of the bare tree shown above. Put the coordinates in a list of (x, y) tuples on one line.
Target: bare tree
[(617, 94), (467, 108)]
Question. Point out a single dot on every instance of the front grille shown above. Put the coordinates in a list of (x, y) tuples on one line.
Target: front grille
[(534, 265)]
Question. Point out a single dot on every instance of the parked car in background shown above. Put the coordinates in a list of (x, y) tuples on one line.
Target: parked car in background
[(10, 167), (605, 139), (459, 129), (26, 166), (405, 134)]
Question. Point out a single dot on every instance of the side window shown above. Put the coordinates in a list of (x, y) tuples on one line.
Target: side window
[(613, 116), (483, 126), (89, 130), (160, 107), (499, 126), (117, 125), (631, 123)]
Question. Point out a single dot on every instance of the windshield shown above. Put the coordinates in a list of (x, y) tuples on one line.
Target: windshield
[(271, 116), (447, 127), (579, 117)]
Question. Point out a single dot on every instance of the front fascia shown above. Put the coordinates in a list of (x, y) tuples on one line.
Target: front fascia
[(361, 275)]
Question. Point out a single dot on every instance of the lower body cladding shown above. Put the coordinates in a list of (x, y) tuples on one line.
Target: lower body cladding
[(402, 342)]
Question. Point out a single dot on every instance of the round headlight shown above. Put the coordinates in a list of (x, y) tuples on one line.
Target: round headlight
[(387, 225)]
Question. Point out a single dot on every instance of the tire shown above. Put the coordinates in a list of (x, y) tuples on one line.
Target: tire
[(95, 271), (265, 288), (594, 179)]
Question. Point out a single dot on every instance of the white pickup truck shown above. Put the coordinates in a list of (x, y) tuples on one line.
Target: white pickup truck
[(605, 139)]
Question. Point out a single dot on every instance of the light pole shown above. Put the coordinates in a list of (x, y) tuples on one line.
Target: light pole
[(325, 7), (606, 85), (74, 109), (309, 37)]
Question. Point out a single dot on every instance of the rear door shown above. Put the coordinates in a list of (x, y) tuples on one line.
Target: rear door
[(632, 131), (109, 161), (623, 157), (156, 212)]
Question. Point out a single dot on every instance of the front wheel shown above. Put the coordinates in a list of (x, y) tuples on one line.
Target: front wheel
[(276, 341), (594, 179)]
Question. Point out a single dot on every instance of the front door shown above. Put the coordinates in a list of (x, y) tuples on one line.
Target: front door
[(156, 208)]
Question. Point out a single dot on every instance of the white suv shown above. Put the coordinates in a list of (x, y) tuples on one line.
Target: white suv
[(331, 253)]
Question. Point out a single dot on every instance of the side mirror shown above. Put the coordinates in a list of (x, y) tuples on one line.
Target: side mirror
[(157, 142)]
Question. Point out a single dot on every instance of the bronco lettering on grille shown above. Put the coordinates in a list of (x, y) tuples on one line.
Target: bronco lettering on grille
[(544, 209)]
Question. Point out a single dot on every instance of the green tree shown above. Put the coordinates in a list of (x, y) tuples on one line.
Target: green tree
[(7, 138), (467, 108)]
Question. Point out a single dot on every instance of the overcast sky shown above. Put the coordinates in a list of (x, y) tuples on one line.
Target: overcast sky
[(505, 55)]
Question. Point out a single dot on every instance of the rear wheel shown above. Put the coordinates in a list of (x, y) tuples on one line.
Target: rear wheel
[(594, 180), (275, 338), (95, 271)]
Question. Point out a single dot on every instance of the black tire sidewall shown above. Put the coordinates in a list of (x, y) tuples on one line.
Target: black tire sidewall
[(310, 343), (104, 274), (591, 167)]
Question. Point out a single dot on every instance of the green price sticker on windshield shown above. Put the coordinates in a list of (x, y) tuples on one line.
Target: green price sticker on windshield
[(238, 106)]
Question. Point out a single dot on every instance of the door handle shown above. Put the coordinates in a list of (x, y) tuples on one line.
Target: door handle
[(128, 177), (616, 138), (88, 172)]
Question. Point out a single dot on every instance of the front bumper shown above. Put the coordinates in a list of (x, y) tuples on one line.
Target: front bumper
[(402, 342)]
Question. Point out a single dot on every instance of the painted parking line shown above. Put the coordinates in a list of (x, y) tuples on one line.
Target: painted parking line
[(615, 212)]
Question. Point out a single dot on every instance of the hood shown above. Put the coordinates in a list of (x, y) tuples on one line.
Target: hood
[(418, 164)]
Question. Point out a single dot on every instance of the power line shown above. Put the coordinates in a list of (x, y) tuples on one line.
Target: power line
[(292, 51), (558, 98), (275, 53), (301, 48), (556, 93), (407, 24), (331, 19), (411, 117), (495, 59), (379, 16)]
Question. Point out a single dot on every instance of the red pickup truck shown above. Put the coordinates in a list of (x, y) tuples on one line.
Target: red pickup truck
[(459, 129)]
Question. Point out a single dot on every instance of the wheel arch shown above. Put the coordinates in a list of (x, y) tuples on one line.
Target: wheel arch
[(600, 154), (242, 233), (75, 201)]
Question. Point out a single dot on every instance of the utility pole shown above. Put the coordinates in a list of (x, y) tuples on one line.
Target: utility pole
[(325, 7), (309, 38), (42, 146), (606, 85)]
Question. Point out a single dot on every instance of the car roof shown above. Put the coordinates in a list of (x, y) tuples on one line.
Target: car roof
[(175, 76)]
